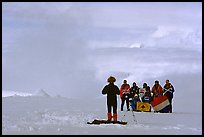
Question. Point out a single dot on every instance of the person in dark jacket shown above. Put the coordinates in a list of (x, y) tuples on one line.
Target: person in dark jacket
[(168, 91), (134, 90), (145, 86), (142, 91), (111, 90), (147, 98)]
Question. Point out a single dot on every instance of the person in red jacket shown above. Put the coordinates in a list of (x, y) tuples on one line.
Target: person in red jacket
[(111, 90), (157, 89), (125, 94)]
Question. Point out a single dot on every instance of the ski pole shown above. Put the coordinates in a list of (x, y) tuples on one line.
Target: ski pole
[(134, 118), (123, 116)]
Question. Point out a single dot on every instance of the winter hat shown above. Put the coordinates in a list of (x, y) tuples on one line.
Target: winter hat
[(135, 95), (111, 79)]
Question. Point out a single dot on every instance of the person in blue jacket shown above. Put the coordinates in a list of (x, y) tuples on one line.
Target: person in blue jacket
[(134, 101)]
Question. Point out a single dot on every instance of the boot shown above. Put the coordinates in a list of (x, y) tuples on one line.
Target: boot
[(115, 117), (109, 116)]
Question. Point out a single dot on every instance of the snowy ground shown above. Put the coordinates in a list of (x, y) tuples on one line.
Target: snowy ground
[(44, 114)]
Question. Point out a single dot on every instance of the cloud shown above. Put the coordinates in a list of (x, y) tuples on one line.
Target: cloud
[(147, 14), (70, 50), (51, 53)]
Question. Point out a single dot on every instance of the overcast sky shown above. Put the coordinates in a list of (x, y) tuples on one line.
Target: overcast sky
[(55, 46)]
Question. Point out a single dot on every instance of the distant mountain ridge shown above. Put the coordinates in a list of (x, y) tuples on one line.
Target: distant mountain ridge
[(38, 92)]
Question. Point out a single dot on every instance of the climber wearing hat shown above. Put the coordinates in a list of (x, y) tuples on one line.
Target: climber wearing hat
[(111, 90)]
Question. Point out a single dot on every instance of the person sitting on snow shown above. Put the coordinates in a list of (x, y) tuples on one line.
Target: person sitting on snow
[(134, 102)]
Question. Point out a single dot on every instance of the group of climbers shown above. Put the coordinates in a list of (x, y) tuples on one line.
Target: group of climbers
[(134, 94)]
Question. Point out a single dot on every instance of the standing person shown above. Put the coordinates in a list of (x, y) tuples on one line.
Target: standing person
[(157, 89), (145, 86), (142, 90), (134, 90), (168, 91), (125, 94), (111, 90), (147, 98)]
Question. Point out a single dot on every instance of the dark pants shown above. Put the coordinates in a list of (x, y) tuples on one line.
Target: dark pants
[(114, 108), (170, 97), (170, 105), (123, 99)]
